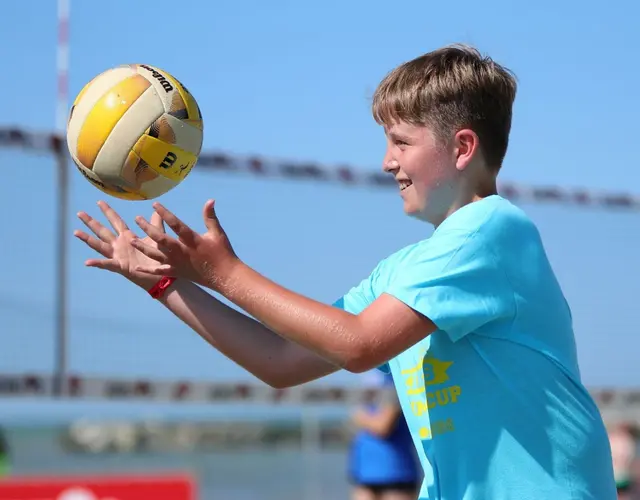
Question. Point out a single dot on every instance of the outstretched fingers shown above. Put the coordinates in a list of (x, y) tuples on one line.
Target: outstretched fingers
[(163, 270), (96, 227), (157, 234), (118, 224), (210, 217), (157, 221), (184, 232), (107, 264), (103, 248), (150, 251)]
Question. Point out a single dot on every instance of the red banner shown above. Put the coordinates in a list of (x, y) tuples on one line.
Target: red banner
[(135, 487)]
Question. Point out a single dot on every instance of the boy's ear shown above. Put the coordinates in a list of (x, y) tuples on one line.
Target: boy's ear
[(466, 145)]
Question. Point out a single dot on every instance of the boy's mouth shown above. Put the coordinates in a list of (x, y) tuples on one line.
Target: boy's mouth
[(404, 184)]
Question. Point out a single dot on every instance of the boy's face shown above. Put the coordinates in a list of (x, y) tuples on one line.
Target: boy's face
[(425, 169)]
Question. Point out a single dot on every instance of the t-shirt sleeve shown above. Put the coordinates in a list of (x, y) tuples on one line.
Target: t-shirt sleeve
[(359, 298), (454, 280), (354, 301)]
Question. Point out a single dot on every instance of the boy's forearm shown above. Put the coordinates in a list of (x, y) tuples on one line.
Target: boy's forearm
[(249, 343), (329, 331)]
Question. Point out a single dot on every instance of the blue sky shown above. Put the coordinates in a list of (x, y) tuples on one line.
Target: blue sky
[(293, 80)]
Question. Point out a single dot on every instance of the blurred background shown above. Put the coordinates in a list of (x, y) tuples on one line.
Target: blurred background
[(150, 405)]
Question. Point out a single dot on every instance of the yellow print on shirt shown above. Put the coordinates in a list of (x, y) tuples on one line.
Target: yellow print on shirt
[(441, 397), (429, 371), (420, 383)]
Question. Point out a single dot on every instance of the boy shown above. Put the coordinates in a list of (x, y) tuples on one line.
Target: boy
[(471, 322)]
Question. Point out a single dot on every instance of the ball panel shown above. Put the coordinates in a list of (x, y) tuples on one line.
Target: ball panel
[(158, 78), (161, 129), (177, 100), (136, 172), (189, 105), (166, 159), (157, 187), (172, 130), (104, 116), (81, 94), (178, 107), (88, 97), (143, 179), (126, 132), (196, 123), (116, 191)]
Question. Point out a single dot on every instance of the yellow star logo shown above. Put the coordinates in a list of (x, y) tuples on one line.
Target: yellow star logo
[(435, 371)]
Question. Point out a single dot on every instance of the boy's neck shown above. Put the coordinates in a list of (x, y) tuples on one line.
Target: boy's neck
[(468, 196), (487, 188)]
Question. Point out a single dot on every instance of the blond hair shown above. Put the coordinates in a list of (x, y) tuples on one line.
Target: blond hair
[(449, 89)]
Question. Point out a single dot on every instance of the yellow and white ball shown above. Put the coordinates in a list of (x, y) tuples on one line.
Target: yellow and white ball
[(135, 132)]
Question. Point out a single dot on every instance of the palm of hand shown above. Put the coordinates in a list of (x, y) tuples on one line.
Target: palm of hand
[(205, 258), (119, 254), (128, 258)]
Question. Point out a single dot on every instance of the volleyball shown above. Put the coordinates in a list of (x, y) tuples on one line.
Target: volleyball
[(135, 132)]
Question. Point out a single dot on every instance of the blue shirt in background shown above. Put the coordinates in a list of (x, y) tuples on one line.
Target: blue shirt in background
[(378, 461)]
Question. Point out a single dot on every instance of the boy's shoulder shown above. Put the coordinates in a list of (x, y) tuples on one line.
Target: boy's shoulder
[(486, 220), (493, 225), (493, 213)]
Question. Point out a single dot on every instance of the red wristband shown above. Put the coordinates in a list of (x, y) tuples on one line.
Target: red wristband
[(157, 290)]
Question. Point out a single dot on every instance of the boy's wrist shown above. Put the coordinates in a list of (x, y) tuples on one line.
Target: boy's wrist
[(161, 287), (226, 280), (145, 282)]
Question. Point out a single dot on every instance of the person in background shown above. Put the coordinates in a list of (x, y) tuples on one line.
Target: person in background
[(623, 453), (4, 455), (382, 461)]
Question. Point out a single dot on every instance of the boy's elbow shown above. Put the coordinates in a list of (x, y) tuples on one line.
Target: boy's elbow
[(358, 367), (360, 362), (283, 380), (278, 382), (364, 356)]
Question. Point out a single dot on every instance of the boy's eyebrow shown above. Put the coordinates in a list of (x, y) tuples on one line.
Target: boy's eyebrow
[(397, 135)]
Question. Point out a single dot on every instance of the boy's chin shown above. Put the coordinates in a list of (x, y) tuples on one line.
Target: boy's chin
[(413, 211), (417, 213), (409, 208)]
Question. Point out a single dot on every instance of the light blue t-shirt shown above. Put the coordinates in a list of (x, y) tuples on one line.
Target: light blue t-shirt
[(493, 398)]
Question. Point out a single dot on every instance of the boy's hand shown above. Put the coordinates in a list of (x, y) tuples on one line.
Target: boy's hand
[(207, 259), (120, 256)]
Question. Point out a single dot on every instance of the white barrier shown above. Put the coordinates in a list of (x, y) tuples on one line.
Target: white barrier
[(17, 385), (48, 142), (88, 388)]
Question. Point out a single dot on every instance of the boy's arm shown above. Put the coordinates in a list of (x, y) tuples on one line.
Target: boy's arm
[(453, 283), (274, 360), (357, 343)]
